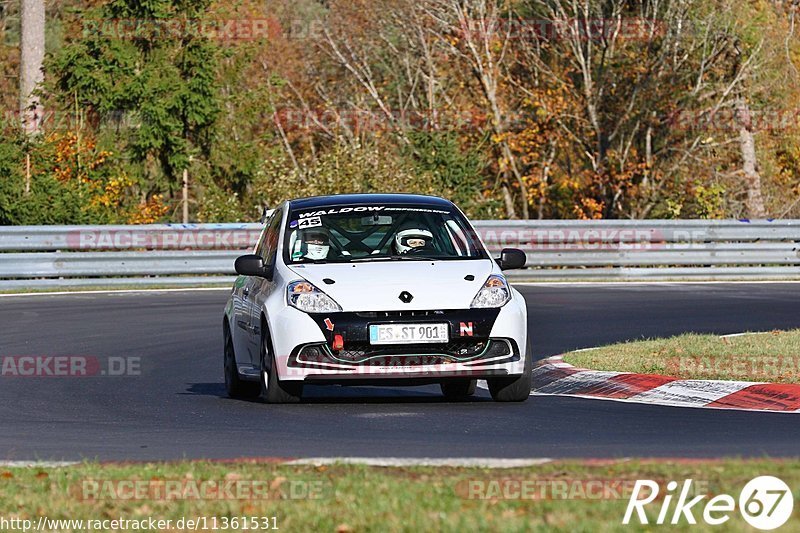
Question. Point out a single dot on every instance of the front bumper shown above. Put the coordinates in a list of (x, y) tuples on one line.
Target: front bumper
[(480, 346)]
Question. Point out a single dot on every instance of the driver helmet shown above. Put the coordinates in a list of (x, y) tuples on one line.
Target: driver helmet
[(409, 239), (315, 243)]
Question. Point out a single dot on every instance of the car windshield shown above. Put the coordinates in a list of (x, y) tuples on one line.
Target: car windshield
[(362, 233)]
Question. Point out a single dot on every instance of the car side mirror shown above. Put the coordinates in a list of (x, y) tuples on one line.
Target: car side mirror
[(511, 258), (252, 265)]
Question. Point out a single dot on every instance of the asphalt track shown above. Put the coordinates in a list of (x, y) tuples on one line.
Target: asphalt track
[(177, 407)]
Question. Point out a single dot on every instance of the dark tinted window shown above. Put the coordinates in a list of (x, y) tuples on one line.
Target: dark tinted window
[(268, 244)]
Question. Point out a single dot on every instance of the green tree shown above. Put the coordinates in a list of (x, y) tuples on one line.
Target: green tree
[(455, 173), (156, 85)]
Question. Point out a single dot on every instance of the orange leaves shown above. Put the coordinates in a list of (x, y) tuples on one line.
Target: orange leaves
[(112, 194), (589, 209), (537, 188), (149, 211), (75, 156), (100, 158), (78, 163)]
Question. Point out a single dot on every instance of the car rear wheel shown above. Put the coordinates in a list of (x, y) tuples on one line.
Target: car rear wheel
[(234, 385), (458, 389), (273, 390), (515, 388)]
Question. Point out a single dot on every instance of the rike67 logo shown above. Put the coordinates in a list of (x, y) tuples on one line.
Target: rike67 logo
[(765, 503)]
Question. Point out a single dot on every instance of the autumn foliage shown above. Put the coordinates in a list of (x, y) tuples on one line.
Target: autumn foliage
[(512, 108)]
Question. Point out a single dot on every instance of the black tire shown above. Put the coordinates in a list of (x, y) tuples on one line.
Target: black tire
[(458, 389), (273, 390), (234, 385), (515, 388)]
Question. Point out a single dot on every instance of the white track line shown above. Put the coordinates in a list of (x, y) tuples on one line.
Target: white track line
[(585, 349), (37, 464), (478, 462), (461, 462), (113, 291)]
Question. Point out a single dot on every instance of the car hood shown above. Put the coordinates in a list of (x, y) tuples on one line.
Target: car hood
[(377, 286)]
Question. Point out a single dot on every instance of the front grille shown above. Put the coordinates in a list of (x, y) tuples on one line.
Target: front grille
[(462, 351), (398, 314), (455, 350)]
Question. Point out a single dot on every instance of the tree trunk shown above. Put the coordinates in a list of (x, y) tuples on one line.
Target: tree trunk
[(754, 203), (30, 68), (508, 201), (185, 196)]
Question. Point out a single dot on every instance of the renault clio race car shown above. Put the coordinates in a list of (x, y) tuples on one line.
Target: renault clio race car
[(374, 289)]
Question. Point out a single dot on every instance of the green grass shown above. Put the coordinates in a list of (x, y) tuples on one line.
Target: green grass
[(771, 357), (360, 498)]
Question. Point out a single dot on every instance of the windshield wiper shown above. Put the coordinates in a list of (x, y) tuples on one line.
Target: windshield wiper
[(392, 258), (369, 259)]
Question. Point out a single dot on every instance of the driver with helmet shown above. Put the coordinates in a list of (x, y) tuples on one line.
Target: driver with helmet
[(315, 243), (411, 239)]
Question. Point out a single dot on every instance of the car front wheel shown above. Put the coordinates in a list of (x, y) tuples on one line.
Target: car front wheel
[(515, 388), (273, 390)]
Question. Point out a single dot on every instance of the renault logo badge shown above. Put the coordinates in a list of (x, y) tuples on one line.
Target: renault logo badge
[(405, 297)]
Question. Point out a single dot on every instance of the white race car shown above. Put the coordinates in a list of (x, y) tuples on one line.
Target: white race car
[(391, 289)]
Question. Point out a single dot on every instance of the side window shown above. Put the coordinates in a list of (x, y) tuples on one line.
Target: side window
[(262, 239), (268, 246)]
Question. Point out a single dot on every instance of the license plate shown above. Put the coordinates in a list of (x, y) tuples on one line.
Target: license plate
[(407, 333)]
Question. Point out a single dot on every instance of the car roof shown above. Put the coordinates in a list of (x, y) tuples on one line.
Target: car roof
[(369, 199)]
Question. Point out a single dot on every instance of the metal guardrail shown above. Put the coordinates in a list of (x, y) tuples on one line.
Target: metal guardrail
[(177, 254)]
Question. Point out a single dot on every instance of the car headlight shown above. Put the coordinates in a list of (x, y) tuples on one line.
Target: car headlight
[(494, 293), (306, 297)]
